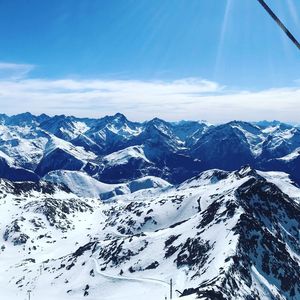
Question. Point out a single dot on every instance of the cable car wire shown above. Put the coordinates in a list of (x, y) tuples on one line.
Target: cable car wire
[(279, 23)]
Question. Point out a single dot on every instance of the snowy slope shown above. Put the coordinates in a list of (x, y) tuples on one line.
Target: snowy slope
[(66, 127), (281, 141), (283, 181), (55, 143), (60, 154), (24, 145), (220, 235), (291, 156), (79, 183), (123, 156), (83, 185), (8, 159), (9, 170)]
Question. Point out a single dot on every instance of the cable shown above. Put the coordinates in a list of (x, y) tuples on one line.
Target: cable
[(279, 23)]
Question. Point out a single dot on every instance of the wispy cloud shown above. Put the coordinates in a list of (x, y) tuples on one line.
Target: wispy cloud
[(187, 98), (13, 70)]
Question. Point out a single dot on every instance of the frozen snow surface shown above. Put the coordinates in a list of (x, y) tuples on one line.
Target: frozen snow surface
[(85, 186), (219, 235)]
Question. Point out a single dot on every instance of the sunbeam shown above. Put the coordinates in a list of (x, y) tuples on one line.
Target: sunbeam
[(293, 12), (224, 27)]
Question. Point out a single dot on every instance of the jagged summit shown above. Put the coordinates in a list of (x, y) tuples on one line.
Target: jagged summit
[(119, 116)]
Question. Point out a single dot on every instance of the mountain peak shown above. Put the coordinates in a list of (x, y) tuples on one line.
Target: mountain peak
[(245, 171), (157, 121), (25, 114), (120, 117), (22, 119)]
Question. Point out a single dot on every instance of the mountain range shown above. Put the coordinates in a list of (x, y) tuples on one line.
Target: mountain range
[(113, 149), (112, 209)]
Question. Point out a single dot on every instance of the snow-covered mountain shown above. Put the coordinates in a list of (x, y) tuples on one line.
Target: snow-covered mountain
[(113, 149), (112, 209), (9, 170), (219, 235), (60, 154)]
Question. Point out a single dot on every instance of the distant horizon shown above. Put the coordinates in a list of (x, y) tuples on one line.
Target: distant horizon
[(292, 123)]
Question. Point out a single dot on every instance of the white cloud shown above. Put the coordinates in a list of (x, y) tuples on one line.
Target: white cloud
[(188, 98), (14, 71)]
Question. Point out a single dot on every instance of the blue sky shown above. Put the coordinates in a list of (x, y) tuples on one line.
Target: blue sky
[(177, 59)]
